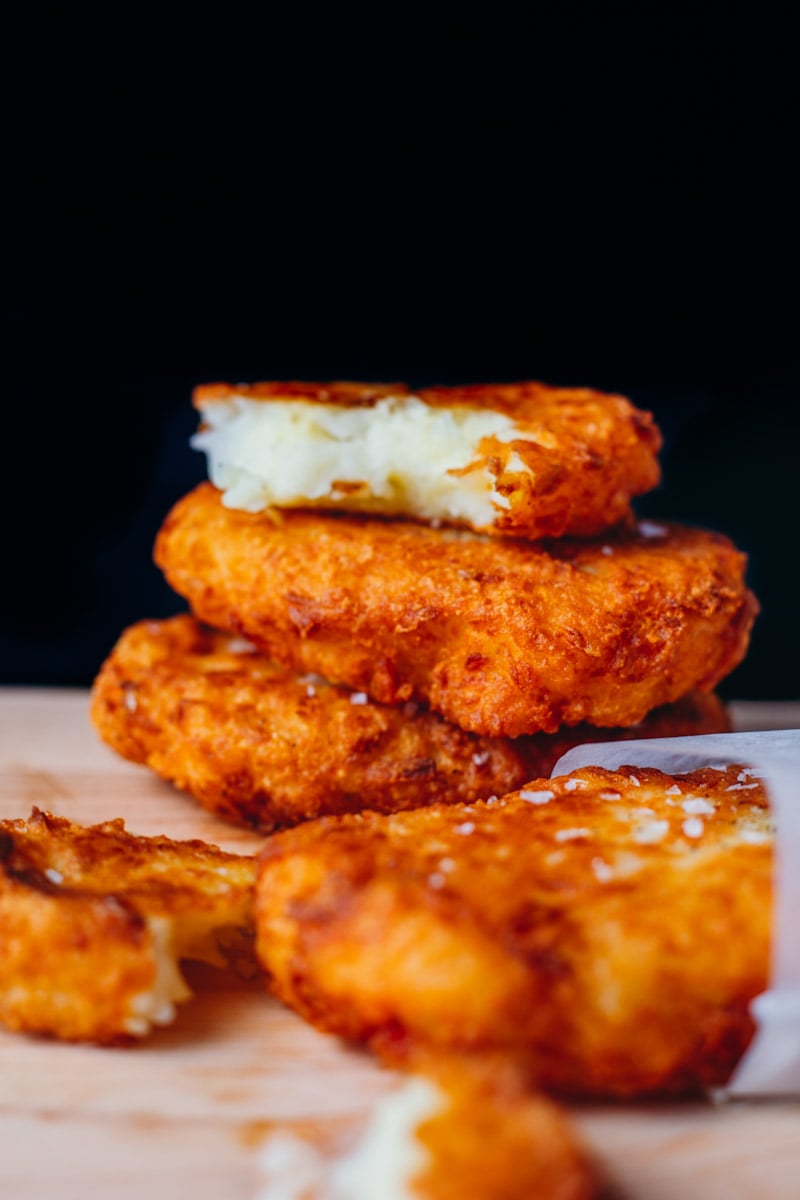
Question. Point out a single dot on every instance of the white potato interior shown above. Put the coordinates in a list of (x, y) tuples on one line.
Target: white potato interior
[(397, 456)]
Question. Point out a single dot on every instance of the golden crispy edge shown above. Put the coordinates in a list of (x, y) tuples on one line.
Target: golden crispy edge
[(344, 392)]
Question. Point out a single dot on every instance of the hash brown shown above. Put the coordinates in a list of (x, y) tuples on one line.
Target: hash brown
[(93, 921), (501, 637), (495, 1140), (608, 929), (266, 748), (517, 459), (450, 1131)]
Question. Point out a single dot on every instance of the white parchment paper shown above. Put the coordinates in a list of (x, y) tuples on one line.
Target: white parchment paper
[(771, 1065)]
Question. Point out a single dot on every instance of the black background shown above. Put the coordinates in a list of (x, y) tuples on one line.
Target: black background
[(586, 194)]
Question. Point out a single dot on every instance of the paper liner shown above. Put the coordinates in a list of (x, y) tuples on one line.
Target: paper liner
[(771, 1065)]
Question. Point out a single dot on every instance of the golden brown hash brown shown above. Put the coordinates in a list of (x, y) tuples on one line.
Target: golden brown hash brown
[(609, 928), (260, 745), (502, 637), (267, 748), (495, 1140), (92, 921), (452, 1130), (580, 457)]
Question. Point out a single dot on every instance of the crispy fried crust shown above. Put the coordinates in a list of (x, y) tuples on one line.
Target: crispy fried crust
[(610, 928), (581, 457), (454, 1129), (260, 745), (494, 1140), (264, 747), (345, 392), (93, 919), (502, 637)]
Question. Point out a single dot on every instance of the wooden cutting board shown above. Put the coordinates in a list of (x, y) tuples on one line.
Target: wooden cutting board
[(184, 1113)]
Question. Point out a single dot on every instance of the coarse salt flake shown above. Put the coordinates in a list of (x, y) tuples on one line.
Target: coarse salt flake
[(693, 827), (131, 703), (437, 880), (632, 779), (359, 698), (609, 795), (466, 828), (480, 758), (696, 806), (650, 529), (53, 875), (602, 871), (741, 787), (568, 835), (650, 832), (755, 837), (572, 785), (542, 797), (240, 646), (673, 791)]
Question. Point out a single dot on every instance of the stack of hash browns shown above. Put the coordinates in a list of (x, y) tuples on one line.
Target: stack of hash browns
[(404, 607), (405, 599)]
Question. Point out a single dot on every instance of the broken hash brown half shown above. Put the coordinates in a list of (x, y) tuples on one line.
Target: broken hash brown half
[(455, 1129), (264, 747), (607, 928), (521, 459), (93, 922), (502, 637)]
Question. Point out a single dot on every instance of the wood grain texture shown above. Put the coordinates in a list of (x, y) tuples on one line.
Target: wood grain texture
[(184, 1113)]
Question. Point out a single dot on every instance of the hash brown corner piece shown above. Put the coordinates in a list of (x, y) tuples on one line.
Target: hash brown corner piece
[(94, 920), (264, 747), (451, 1131), (607, 928), (521, 459), (502, 637)]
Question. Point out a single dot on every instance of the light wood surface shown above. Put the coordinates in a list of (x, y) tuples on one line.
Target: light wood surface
[(184, 1113)]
